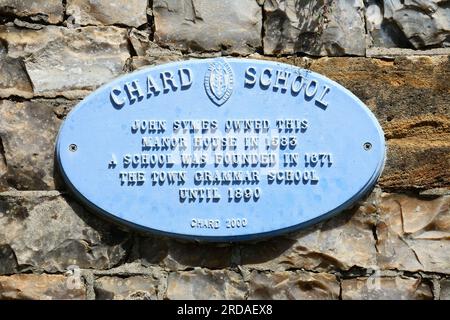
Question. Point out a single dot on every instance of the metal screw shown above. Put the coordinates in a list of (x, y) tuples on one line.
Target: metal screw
[(73, 147), (367, 146)]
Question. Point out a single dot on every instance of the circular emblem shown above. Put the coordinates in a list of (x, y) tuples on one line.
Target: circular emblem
[(219, 82)]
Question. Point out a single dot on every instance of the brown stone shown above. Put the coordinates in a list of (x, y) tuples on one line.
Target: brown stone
[(414, 233), (202, 284), (40, 287), (293, 286), (385, 288), (130, 288), (417, 163)]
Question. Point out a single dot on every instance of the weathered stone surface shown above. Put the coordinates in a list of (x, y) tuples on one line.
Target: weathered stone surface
[(67, 62), (148, 52), (105, 12), (417, 162), (202, 25), (8, 262), (49, 232), (187, 255), (390, 53), (149, 251), (411, 23), (130, 288), (204, 284), (341, 243), (445, 289), (13, 77), (317, 28), (293, 286), (413, 233), (39, 287), (176, 255), (49, 11), (28, 132), (385, 288)]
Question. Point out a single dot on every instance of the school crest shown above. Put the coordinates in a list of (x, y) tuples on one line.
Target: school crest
[(219, 82)]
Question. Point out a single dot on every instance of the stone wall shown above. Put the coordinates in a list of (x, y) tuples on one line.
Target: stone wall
[(392, 54)]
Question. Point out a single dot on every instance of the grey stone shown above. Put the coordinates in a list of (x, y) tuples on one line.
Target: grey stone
[(317, 28), (13, 77), (68, 62), (28, 132), (105, 12), (413, 233), (130, 288), (49, 232), (149, 251), (148, 52), (8, 262), (188, 255), (410, 24), (385, 288), (176, 255), (49, 11), (445, 289), (340, 243), (202, 25), (40, 287), (205, 285), (292, 285), (386, 53)]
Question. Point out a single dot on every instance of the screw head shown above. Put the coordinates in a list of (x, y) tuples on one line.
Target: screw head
[(73, 147), (367, 146)]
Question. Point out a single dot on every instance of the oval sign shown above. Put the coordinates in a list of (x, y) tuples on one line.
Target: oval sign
[(220, 149)]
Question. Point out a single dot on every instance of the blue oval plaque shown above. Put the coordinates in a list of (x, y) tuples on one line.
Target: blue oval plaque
[(220, 149)]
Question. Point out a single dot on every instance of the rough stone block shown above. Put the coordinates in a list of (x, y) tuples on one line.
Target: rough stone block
[(445, 289), (65, 62), (105, 12), (202, 284), (293, 286), (408, 24), (341, 243), (49, 232), (130, 288), (48, 11), (40, 287), (28, 132), (14, 80), (202, 25), (317, 28), (413, 233), (177, 255), (385, 288), (148, 52)]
